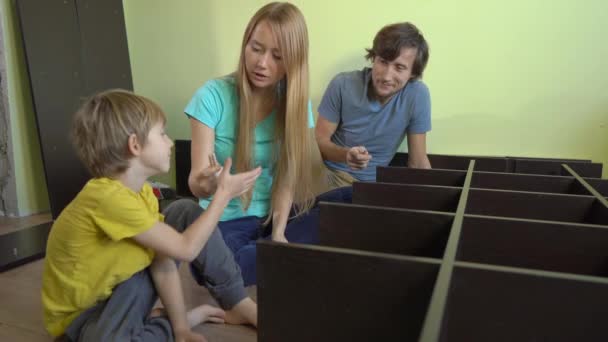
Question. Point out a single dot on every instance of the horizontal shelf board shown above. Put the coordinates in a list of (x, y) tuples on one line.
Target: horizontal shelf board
[(581, 224), (533, 272)]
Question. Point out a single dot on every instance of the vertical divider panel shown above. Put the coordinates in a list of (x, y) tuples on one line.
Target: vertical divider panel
[(587, 186), (599, 210), (431, 329)]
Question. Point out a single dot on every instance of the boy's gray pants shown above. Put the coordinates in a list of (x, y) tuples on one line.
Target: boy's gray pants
[(124, 316)]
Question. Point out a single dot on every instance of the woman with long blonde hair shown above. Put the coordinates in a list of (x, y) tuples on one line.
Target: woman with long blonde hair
[(261, 116)]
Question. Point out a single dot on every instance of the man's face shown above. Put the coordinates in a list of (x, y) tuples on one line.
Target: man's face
[(389, 77)]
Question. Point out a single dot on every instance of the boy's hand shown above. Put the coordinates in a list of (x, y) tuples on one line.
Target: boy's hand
[(189, 336), (237, 184), (357, 158)]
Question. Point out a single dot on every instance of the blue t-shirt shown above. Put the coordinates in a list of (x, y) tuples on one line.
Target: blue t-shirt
[(216, 105), (364, 122)]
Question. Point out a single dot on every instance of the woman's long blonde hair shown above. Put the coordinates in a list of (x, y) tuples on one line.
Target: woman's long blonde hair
[(298, 160)]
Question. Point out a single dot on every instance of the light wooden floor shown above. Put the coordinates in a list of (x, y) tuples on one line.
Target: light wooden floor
[(21, 309)]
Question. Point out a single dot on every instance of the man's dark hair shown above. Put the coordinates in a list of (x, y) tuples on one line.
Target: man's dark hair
[(392, 38)]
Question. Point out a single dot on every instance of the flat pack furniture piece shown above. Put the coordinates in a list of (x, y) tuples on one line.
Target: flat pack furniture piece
[(73, 48), (476, 249)]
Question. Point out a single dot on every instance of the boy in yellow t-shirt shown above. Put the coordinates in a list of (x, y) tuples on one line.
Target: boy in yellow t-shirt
[(110, 252)]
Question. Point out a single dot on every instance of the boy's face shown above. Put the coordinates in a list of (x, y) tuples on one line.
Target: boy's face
[(156, 153), (389, 77)]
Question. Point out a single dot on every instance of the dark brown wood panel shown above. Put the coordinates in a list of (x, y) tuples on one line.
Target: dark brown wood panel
[(546, 166), (562, 160), (407, 196), (550, 167), (551, 246), (385, 230), (73, 49), (593, 170), (405, 175), (431, 329), (105, 52), (521, 182), (497, 305), (490, 180), (598, 213), (526, 260), (182, 167), (600, 185), (538, 206), (438, 161), (56, 78), (313, 293)]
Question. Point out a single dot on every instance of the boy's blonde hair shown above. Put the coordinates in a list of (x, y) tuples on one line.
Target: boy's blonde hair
[(103, 124)]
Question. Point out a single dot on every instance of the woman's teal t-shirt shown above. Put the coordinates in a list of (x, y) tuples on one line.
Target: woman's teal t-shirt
[(216, 105)]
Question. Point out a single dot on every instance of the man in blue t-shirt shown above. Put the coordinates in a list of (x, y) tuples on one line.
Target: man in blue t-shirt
[(364, 115)]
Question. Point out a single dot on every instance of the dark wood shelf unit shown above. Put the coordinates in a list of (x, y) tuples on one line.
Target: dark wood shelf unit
[(477, 249)]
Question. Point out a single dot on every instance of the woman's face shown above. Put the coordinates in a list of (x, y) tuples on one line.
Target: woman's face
[(263, 59)]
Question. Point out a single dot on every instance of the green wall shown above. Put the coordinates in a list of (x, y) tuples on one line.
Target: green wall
[(32, 194), (519, 77)]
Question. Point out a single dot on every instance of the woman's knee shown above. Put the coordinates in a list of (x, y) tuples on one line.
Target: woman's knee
[(340, 195)]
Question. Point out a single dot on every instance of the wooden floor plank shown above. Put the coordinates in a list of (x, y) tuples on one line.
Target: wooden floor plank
[(21, 309), (11, 333)]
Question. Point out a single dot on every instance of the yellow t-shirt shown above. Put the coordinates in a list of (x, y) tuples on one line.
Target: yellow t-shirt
[(90, 250)]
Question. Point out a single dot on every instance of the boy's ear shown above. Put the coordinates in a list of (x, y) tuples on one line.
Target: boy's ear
[(134, 145)]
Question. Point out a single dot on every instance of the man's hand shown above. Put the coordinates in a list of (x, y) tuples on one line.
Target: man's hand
[(357, 158)]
